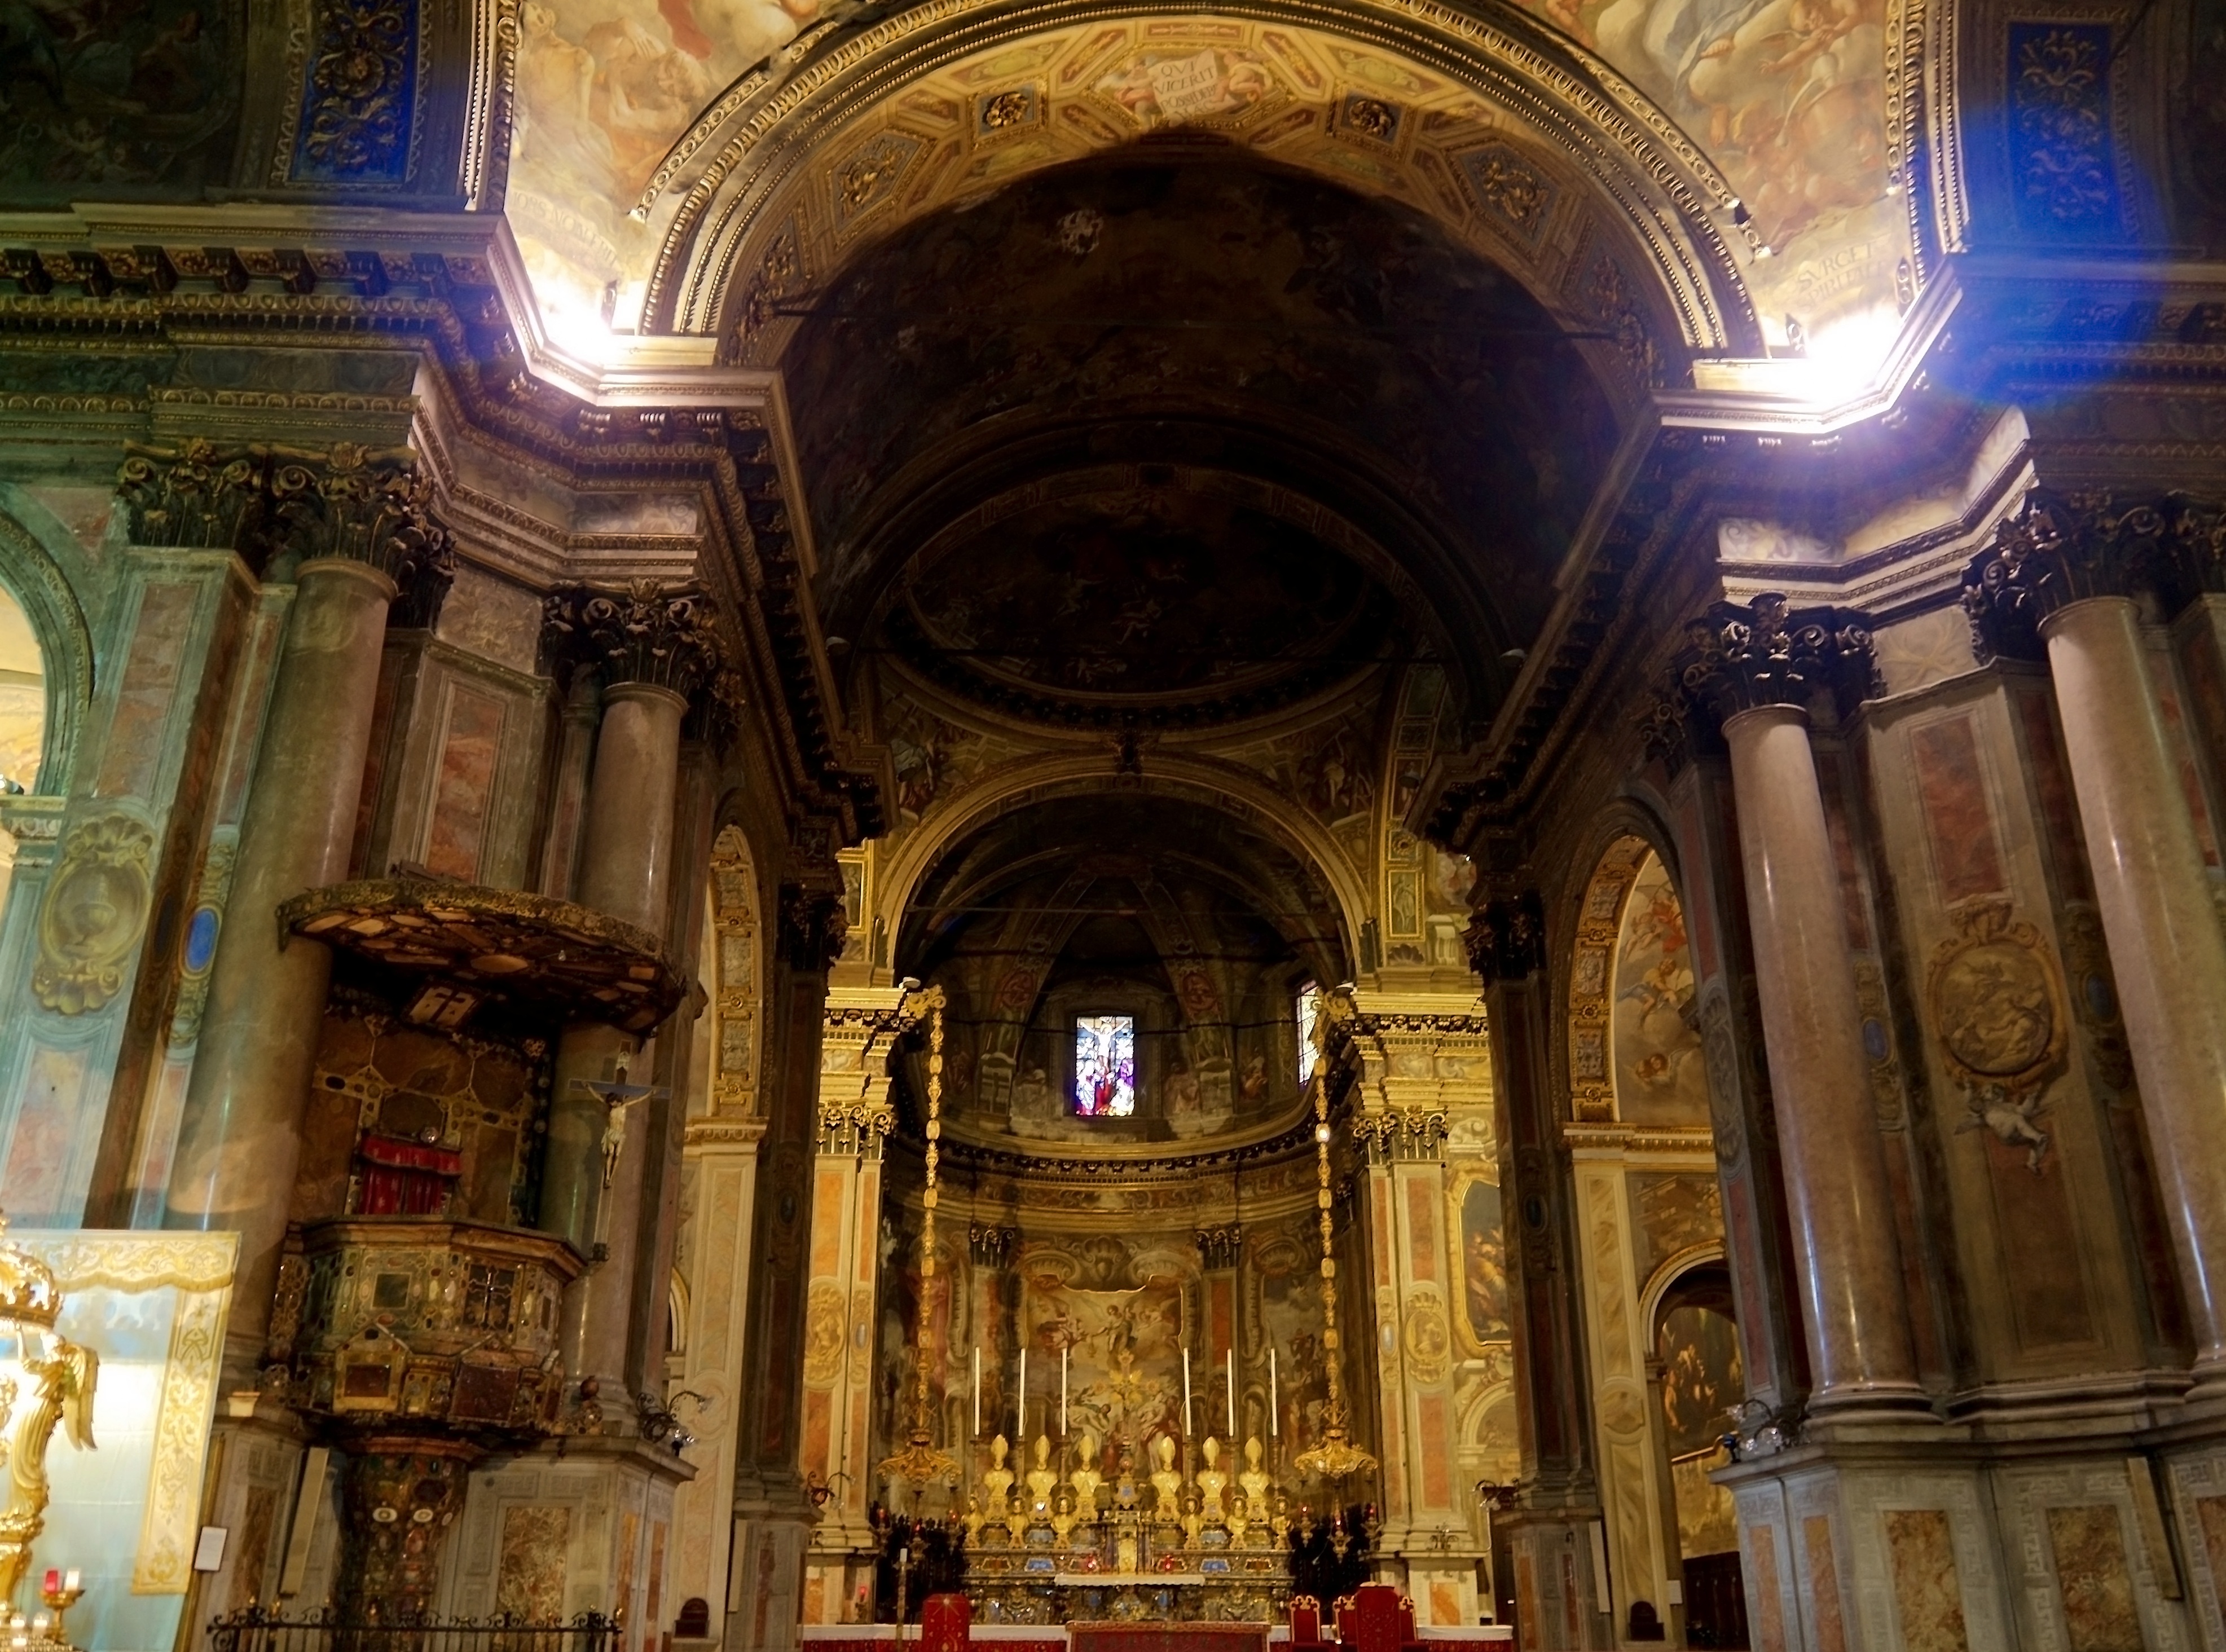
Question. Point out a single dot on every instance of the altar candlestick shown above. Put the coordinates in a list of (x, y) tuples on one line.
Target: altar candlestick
[(1062, 1391), (977, 1392), (1229, 1388), (1271, 1393), (1186, 1420), (1021, 1405)]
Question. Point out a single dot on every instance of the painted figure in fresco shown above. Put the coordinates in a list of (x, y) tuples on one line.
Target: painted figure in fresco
[(1483, 1262), (1253, 1088), (1183, 1098)]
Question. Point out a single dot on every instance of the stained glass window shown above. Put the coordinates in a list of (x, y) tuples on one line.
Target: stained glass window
[(1309, 1008), (1105, 1066)]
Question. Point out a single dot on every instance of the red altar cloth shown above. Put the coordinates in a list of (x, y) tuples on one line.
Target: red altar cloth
[(1167, 1638)]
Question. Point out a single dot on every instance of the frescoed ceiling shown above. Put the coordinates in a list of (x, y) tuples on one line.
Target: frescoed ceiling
[(1785, 98), (1337, 348)]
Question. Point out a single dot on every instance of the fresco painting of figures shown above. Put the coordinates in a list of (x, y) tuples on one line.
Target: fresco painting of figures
[(604, 89), (1788, 96)]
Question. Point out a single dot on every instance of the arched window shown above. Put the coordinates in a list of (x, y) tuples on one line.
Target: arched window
[(1308, 1011)]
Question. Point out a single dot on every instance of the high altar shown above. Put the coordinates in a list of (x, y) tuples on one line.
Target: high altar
[(1191, 1542)]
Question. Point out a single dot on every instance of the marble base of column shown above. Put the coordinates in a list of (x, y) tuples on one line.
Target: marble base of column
[(1847, 1255), (2165, 946), (240, 1135)]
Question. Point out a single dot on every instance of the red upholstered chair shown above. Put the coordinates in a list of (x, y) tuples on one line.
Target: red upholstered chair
[(1376, 1618), (1307, 1624), (946, 1624)]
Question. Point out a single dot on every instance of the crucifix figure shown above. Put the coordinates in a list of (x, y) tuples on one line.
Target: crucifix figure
[(617, 1098)]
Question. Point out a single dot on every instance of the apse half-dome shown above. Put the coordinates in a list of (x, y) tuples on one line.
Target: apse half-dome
[(1123, 973)]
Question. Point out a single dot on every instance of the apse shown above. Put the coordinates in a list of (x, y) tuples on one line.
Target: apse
[(1120, 969)]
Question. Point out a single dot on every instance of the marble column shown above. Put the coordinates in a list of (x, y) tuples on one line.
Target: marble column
[(652, 649), (2065, 569), (240, 1136), (1758, 670)]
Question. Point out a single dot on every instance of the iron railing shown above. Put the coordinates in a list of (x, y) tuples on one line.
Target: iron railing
[(257, 1628)]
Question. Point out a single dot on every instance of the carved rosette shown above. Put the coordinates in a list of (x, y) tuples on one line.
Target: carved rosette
[(666, 635), (1766, 653), (365, 505), (2058, 549)]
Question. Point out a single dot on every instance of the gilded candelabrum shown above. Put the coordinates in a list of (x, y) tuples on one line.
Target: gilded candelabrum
[(62, 1375), (920, 1464), (1336, 1457)]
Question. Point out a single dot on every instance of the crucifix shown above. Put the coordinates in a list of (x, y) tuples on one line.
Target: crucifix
[(617, 1098)]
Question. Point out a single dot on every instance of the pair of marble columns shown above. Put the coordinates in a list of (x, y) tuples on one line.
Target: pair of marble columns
[(240, 1135), (1759, 672)]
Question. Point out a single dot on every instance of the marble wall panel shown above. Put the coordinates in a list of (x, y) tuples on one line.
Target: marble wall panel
[(132, 753), (1766, 1592), (1927, 1595), (1966, 858), (463, 785), (1829, 1629), (530, 1568), (2089, 1546)]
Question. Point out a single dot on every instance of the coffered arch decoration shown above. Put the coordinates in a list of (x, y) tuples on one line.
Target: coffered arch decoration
[(1063, 774), (1523, 145)]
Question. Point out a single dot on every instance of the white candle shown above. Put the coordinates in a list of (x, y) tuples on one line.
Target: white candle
[(1271, 1392), (1062, 1390), (1186, 1422), (1021, 1404), (1229, 1388), (72, 1578), (977, 1390)]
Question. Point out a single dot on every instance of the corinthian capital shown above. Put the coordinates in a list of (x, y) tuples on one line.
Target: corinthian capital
[(2058, 549), (647, 632), (365, 505), (1766, 653)]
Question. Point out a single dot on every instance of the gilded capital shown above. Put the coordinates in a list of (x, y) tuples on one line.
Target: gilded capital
[(647, 632), (2058, 549)]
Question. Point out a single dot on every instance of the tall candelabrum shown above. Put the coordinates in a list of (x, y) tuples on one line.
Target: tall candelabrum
[(1335, 1457), (60, 1376), (921, 1464)]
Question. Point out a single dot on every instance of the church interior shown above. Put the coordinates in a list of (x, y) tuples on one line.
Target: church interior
[(1121, 825)]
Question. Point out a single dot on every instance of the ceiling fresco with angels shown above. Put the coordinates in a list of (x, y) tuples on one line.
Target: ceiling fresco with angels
[(1787, 98)]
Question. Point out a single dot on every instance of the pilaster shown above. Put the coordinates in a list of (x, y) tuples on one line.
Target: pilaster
[(859, 1034)]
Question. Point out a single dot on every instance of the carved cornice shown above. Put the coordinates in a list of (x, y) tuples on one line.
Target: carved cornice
[(2058, 549), (1767, 653), (1401, 1134)]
